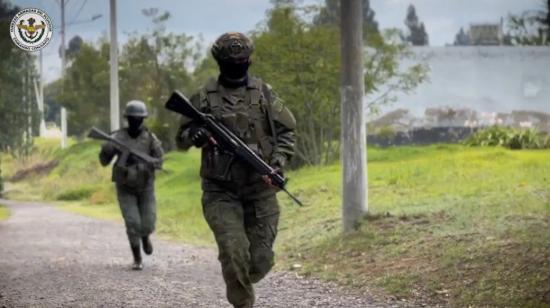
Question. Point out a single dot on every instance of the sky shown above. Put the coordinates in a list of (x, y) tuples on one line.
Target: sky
[(210, 18)]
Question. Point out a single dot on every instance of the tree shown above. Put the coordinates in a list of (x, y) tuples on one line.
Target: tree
[(152, 66), (17, 102), (461, 38), (531, 27), (85, 88), (329, 14), (302, 62), (417, 32)]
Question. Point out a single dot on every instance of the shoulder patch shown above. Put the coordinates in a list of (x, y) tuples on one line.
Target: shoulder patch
[(284, 116), (211, 85)]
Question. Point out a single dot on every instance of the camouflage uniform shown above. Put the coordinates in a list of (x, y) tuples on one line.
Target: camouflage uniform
[(134, 181), (240, 208)]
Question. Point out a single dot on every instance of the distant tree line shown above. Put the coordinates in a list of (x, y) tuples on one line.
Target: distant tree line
[(528, 28)]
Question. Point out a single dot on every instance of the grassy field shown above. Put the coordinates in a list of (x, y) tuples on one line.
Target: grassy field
[(447, 224), (4, 213)]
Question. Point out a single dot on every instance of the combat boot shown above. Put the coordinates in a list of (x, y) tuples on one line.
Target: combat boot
[(147, 245), (138, 265)]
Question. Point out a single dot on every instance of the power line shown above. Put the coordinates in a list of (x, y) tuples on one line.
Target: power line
[(79, 10)]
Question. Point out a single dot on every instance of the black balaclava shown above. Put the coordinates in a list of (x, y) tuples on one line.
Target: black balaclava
[(234, 74), (135, 126)]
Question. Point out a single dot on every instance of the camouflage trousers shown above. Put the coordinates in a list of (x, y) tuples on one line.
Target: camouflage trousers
[(138, 208), (245, 230)]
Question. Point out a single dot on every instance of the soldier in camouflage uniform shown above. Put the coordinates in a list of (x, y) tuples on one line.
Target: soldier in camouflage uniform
[(134, 178), (240, 207)]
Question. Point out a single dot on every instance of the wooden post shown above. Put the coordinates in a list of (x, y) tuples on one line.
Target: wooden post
[(354, 156)]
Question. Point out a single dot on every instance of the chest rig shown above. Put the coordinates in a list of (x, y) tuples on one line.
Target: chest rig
[(245, 111), (128, 170)]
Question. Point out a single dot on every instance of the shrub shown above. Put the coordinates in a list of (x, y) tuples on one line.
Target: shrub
[(79, 193), (510, 138)]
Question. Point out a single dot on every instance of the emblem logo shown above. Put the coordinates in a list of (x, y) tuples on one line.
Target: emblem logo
[(31, 29)]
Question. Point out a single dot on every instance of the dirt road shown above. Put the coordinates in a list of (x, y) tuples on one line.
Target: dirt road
[(51, 258)]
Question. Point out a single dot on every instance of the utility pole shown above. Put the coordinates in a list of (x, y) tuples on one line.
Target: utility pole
[(354, 131), (63, 66), (39, 93), (115, 105)]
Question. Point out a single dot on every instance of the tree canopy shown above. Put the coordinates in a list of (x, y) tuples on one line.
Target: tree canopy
[(17, 101), (417, 32)]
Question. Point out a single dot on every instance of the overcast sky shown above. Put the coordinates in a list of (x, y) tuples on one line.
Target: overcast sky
[(443, 18)]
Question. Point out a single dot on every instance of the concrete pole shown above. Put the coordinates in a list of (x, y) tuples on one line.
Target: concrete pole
[(40, 97), (63, 128), (115, 109), (354, 156), (63, 66)]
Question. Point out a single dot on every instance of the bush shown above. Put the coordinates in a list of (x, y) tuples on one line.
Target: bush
[(80, 193), (510, 138)]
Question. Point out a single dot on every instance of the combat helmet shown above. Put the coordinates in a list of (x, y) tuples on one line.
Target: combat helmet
[(232, 47), (135, 109)]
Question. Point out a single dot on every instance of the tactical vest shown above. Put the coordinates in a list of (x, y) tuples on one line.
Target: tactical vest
[(247, 115), (129, 171), (250, 119)]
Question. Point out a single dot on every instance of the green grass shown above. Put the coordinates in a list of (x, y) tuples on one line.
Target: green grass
[(447, 224), (4, 212)]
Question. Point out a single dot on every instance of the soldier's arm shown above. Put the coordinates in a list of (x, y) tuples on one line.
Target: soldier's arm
[(285, 126), (183, 139), (107, 153)]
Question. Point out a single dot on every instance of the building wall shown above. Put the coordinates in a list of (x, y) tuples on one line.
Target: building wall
[(482, 78)]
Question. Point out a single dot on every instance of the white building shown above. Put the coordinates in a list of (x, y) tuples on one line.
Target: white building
[(487, 79)]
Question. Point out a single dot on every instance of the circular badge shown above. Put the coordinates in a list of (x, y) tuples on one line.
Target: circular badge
[(31, 29)]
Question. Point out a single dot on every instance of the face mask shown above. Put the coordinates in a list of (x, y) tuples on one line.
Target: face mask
[(233, 70), (135, 125)]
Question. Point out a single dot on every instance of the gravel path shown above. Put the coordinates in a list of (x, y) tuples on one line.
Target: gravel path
[(51, 258)]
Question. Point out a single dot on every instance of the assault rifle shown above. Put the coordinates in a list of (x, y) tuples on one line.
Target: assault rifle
[(227, 140), (125, 149)]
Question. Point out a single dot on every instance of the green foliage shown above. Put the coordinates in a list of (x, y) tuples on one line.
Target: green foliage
[(85, 89), (301, 61), (417, 33), (151, 66), (509, 137), (329, 14), (17, 102), (530, 27), (79, 193), (1, 179)]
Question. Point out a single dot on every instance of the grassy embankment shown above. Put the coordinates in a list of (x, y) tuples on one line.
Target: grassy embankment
[(448, 224)]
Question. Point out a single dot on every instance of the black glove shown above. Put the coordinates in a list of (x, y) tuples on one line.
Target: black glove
[(199, 136)]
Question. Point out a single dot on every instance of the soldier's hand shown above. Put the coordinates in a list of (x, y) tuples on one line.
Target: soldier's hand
[(199, 136), (267, 178)]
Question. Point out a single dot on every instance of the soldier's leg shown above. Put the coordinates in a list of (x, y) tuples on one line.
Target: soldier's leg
[(261, 221), (148, 212), (225, 218), (128, 203)]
